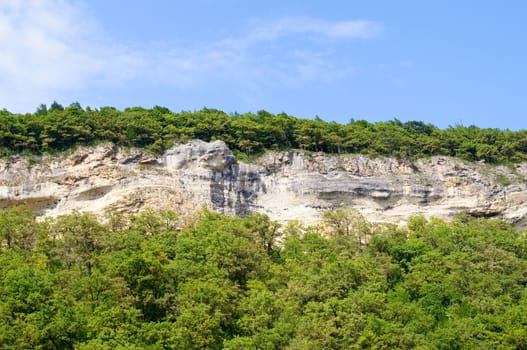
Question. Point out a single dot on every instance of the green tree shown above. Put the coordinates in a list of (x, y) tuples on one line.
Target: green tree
[(82, 235), (18, 228), (346, 221)]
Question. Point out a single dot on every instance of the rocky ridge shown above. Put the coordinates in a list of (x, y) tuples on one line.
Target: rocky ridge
[(285, 185)]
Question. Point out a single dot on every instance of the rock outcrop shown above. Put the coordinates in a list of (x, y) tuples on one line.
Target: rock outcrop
[(285, 185)]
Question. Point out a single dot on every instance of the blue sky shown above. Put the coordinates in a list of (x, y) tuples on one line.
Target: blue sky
[(442, 62)]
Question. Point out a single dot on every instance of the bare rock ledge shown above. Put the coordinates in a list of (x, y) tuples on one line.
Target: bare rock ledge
[(285, 185)]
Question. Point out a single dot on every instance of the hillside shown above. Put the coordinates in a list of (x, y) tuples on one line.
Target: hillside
[(119, 230), (287, 185), (221, 282)]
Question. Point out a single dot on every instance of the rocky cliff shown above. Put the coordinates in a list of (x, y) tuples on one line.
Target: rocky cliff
[(285, 185)]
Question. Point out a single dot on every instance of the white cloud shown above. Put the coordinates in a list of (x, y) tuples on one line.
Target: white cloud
[(247, 58), (51, 50), (353, 29), (48, 47), (357, 29)]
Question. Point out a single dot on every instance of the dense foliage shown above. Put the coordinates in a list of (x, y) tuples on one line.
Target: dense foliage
[(58, 128), (226, 282)]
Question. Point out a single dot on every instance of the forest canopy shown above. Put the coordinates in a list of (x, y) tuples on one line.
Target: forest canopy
[(216, 282), (57, 128)]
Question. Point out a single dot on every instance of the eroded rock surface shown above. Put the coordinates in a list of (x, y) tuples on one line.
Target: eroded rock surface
[(285, 185)]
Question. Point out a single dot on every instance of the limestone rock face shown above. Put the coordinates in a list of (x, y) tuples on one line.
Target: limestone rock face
[(285, 185)]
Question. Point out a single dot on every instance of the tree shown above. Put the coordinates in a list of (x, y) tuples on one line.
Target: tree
[(18, 228), (82, 235), (347, 222), (55, 106), (42, 109), (265, 231)]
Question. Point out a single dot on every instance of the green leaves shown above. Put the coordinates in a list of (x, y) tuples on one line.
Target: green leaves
[(156, 129), (18, 228), (238, 283)]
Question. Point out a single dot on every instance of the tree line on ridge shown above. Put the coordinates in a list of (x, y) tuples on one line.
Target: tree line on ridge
[(57, 128)]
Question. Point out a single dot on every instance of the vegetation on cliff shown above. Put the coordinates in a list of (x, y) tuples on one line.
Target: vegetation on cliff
[(215, 282), (57, 128)]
